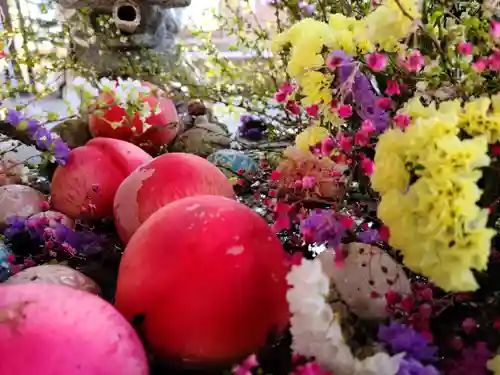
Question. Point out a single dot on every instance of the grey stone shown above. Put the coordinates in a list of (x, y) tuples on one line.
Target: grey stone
[(203, 138), (138, 39)]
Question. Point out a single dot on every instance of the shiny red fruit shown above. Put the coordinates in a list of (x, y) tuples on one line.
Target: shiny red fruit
[(87, 184), (166, 179), (207, 277)]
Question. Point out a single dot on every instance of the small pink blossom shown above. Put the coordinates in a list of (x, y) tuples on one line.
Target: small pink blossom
[(495, 29), (392, 87), (308, 182), (327, 146), (367, 165), (345, 143), (480, 64), (469, 325), (280, 97), (384, 103), (312, 110), (464, 48), (292, 107), (415, 61), (287, 88), (367, 127), (494, 61), (401, 120), (345, 111), (376, 61), (362, 138)]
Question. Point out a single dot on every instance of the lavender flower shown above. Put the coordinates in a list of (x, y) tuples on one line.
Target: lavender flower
[(323, 227), (360, 91), (44, 139), (307, 8), (369, 236), (410, 366), (402, 338)]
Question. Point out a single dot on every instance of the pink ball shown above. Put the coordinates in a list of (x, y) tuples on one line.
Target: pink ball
[(86, 186), (167, 178), (209, 276), (53, 329)]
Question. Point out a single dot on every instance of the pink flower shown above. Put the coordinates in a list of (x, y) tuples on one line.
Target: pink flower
[(401, 120), (480, 64), (362, 138), (345, 111), (287, 88), (494, 61), (367, 127), (495, 29), (312, 110), (292, 107), (327, 146), (384, 103), (415, 61), (280, 97), (345, 143), (376, 61), (308, 182), (464, 48), (392, 87), (469, 325), (367, 165)]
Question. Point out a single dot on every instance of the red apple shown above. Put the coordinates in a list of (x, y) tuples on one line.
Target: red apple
[(53, 329), (87, 184), (163, 126), (167, 178), (208, 276)]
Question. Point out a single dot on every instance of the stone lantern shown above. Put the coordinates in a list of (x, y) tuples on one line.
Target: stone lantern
[(132, 38)]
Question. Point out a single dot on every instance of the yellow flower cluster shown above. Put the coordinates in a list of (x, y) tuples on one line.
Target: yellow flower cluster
[(427, 178), (385, 27)]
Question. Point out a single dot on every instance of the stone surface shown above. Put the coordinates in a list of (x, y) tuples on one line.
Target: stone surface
[(5, 266), (230, 162), (52, 219), (55, 274), (147, 26), (19, 201), (202, 139), (366, 269)]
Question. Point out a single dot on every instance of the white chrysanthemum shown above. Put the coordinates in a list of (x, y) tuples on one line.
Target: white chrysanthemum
[(316, 331)]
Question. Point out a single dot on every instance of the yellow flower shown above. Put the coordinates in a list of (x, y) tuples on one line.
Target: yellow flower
[(494, 365), (316, 88), (390, 170), (311, 136)]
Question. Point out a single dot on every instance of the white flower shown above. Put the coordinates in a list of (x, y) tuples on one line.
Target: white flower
[(106, 84), (316, 330), (145, 111)]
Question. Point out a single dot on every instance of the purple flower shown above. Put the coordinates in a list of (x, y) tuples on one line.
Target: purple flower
[(13, 117), (43, 138), (403, 338), (323, 227), (307, 8), (359, 90), (61, 151), (410, 366), (369, 236)]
